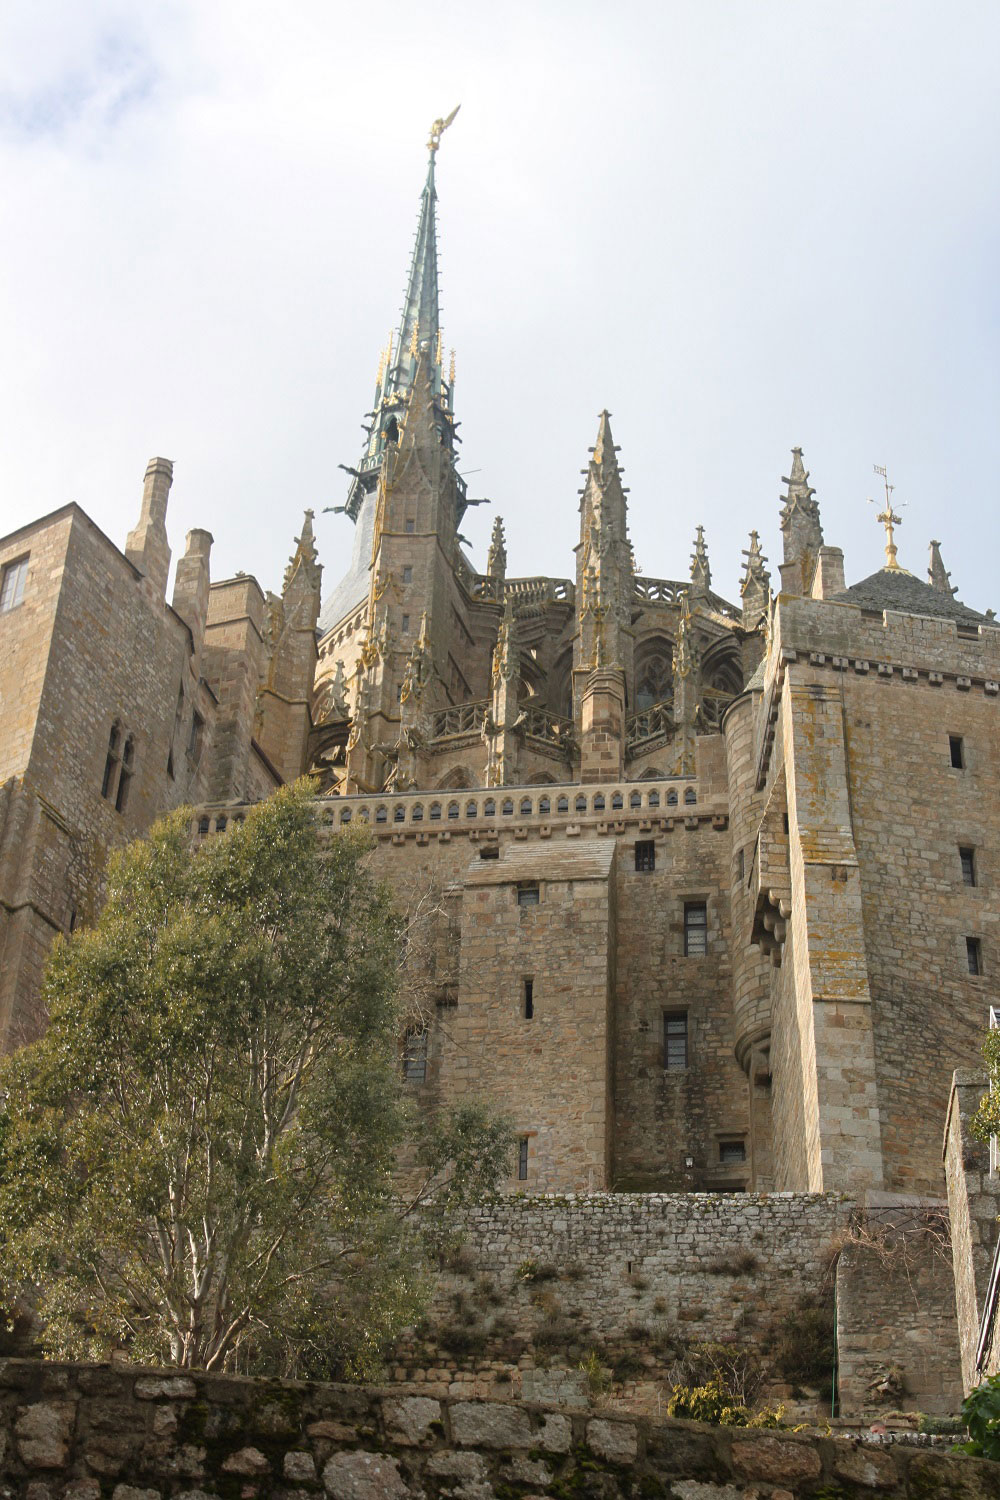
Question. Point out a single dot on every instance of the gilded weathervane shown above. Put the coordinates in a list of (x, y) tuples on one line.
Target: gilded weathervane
[(438, 129), (888, 518)]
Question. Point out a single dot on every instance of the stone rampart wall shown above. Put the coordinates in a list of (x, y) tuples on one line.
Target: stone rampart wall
[(83, 1432), (637, 1280)]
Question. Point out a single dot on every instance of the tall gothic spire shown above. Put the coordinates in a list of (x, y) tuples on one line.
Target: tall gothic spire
[(419, 324), (418, 336)]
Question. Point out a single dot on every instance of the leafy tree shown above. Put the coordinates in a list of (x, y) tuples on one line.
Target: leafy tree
[(197, 1158), (986, 1120)]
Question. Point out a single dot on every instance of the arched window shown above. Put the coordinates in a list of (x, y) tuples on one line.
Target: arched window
[(345, 814), (672, 797), (471, 809), (635, 800), (599, 802), (654, 679), (435, 812), (125, 774), (690, 796), (508, 807), (204, 824), (525, 807), (581, 804), (544, 805), (562, 805), (489, 808), (453, 809), (398, 813), (654, 799), (381, 815), (417, 813), (221, 823), (617, 802)]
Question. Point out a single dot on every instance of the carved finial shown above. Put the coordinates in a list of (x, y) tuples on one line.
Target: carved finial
[(496, 558), (414, 346), (701, 573), (889, 519), (756, 583), (438, 129), (937, 575)]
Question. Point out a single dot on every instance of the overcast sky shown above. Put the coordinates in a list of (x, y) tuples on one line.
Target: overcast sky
[(739, 226)]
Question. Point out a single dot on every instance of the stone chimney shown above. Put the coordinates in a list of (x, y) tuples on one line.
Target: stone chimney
[(191, 585), (147, 547)]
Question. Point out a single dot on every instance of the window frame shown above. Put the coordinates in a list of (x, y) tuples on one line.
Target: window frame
[(13, 581), (967, 861), (692, 928), (522, 1158), (684, 1034), (974, 956), (415, 1057), (645, 856)]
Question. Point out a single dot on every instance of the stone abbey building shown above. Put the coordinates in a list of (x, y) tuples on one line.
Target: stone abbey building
[(702, 892)]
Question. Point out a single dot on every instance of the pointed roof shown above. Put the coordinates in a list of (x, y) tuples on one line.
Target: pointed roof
[(896, 589), (701, 573), (419, 324), (756, 578), (605, 449)]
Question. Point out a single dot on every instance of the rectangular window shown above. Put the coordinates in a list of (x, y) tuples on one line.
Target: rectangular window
[(528, 895), (406, 625), (407, 574), (12, 582), (675, 1040), (411, 527), (974, 953), (956, 749), (415, 1056), (645, 855), (732, 1153), (695, 929), (522, 1159), (741, 865), (968, 858), (529, 999)]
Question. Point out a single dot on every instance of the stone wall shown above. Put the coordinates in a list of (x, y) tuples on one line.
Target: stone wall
[(584, 1077), (896, 1343), (83, 1432), (639, 1281), (869, 702), (973, 1200)]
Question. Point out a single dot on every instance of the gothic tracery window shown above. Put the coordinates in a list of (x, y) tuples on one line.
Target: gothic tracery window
[(654, 681)]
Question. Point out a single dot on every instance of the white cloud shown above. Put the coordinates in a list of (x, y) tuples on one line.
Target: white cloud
[(740, 227)]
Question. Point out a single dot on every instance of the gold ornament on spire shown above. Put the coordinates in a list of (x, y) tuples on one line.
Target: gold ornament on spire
[(438, 351), (451, 371), (889, 519), (413, 342), (438, 129)]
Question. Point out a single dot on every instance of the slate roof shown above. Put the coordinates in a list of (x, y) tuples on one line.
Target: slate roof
[(894, 588), (352, 590)]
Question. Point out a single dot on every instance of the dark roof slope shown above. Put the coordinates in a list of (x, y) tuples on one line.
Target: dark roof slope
[(894, 588)]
